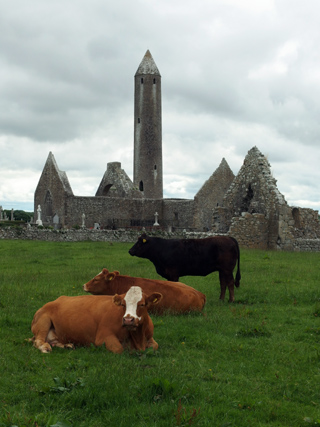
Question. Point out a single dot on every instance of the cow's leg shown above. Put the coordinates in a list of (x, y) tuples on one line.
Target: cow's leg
[(40, 329), (53, 340), (148, 333), (226, 281), (152, 343), (111, 342), (223, 286)]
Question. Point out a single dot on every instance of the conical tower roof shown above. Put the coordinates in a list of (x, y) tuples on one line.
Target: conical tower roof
[(147, 65)]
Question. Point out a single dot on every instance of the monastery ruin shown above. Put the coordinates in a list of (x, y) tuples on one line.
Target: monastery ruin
[(247, 206)]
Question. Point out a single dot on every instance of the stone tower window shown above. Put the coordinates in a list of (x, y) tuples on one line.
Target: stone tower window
[(138, 119), (154, 81), (155, 167), (141, 80), (141, 186)]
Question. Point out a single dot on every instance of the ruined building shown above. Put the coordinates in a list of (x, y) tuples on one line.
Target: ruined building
[(247, 206)]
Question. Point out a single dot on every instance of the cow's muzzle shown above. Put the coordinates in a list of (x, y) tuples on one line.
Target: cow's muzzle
[(130, 322)]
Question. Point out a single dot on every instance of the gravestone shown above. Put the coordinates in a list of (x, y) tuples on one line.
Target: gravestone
[(56, 221), (156, 216), (39, 221)]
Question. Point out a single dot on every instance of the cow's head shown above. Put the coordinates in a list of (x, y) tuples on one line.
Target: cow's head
[(140, 247), (136, 305), (96, 286)]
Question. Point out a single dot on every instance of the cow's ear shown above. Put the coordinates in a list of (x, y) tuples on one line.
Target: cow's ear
[(144, 238), (105, 271), (153, 298), (116, 273), (111, 276), (117, 300)]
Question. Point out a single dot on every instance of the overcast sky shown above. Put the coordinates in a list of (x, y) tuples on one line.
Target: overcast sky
[(235, 74)]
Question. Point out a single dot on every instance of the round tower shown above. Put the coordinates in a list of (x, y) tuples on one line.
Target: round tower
[(147, 167)]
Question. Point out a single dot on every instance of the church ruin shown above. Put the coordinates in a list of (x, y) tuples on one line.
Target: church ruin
[(247, 206)]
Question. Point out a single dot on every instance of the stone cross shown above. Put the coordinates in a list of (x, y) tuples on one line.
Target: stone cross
[(83, 216), (156, 215), (39, 221), (12, 217)]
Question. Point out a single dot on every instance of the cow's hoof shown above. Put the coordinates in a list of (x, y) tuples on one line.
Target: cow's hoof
[(71, 346), (46, 348)]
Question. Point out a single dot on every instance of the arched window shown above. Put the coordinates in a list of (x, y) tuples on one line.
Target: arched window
[(48, 211), (106, 189), (154, 81), (141, 186), (141, 80)]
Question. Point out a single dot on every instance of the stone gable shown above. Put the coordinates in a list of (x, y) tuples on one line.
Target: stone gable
[(116, 183), (211, 195)]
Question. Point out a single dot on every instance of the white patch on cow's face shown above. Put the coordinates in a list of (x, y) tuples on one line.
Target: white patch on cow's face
[(133, 296), (85, 285)]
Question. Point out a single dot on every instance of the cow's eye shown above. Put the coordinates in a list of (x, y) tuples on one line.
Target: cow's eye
[(141, 305)]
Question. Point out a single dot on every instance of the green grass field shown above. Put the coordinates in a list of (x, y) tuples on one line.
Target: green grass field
[(252, 363)]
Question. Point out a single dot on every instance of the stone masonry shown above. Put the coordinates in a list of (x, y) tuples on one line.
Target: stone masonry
[(252, 209)]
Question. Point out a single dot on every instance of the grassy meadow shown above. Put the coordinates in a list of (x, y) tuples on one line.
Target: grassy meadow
[(252, 363)]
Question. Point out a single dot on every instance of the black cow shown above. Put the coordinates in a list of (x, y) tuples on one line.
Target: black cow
[(192, 257)]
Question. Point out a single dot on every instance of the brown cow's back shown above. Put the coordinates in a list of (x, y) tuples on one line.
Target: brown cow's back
[(77, 311), (177, 297)]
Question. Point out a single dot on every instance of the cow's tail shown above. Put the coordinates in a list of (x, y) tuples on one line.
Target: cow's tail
[(238, 275)]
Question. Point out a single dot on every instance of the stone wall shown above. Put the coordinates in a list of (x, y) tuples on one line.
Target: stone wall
[(305, 223), (118, 212), (125, 236), (307, 245), (251, 230), (245, 238)]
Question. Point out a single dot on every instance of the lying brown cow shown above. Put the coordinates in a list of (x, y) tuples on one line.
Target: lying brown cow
[(176, 297), (119, 321)]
